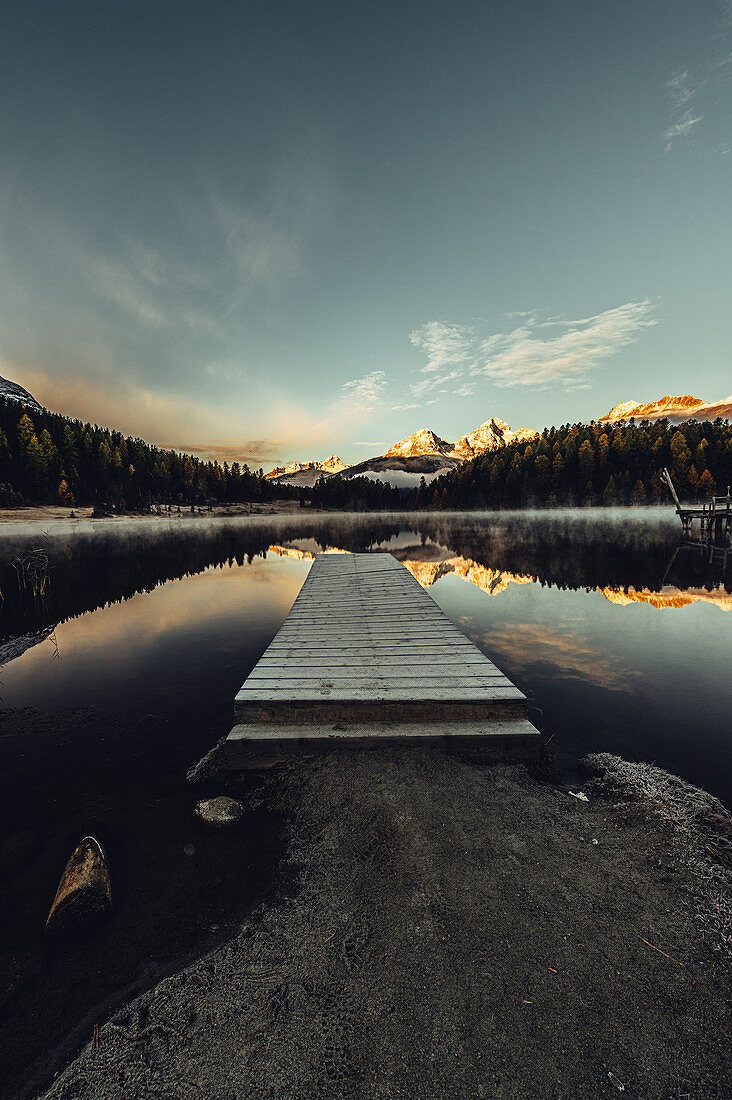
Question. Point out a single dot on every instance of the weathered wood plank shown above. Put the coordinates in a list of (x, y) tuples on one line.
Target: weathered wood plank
[(365, 652), (257, 746), (432, 693), (402, 686), (410, 667), (444, 671)]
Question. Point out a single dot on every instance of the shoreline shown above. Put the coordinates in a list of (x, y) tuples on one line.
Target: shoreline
[(433, 923), (53, 513)]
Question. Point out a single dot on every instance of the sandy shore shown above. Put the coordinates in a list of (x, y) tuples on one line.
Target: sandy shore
[(50, 513), (445, 930), (44, 519)]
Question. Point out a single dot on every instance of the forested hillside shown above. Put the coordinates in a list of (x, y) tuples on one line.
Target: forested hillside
[(48, 458), (45, 457), (592, 464)]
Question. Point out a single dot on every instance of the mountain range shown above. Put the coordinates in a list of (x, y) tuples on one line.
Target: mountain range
[(307, 473), (426, 454), (494, 433), (676, 409), (423, 454)]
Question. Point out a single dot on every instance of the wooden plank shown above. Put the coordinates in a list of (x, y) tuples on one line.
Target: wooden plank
[(266, 745), (434, 693), (475, 662), (403, 686), (408, 673), (364, 649), (467, 728), (394, 645), (374, 709)]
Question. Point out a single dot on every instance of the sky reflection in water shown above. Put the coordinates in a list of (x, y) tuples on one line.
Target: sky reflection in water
[(605, 670)]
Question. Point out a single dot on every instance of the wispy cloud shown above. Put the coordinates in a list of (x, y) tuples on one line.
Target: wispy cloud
[(119, 283), (449, 348), (536, 352), (204, 269), (682, 128), (262, 245), (363, 395), (679, 88), (443, 344), (542, 353), (682, 92), (251, 451)]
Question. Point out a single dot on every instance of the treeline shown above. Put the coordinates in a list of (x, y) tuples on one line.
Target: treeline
[(49, 458), (576, 465), (592, 464), (355, 494)]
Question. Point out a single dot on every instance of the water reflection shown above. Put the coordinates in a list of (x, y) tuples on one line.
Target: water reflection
[(202, 626), (92, 568), (572, 616)]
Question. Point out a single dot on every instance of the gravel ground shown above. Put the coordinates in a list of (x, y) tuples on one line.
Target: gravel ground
[(441, 930)]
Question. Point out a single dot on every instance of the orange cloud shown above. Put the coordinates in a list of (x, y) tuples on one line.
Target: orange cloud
[(251, 452)]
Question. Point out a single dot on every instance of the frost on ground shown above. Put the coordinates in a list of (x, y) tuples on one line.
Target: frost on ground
[(440, 930), (700, 823)]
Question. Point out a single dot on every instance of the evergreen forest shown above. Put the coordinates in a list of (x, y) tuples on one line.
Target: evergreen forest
[(580, 465), (47, 458)]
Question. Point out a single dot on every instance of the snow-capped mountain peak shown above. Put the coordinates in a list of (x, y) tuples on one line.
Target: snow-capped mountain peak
[(676, 408), (307, 473), (333, 464), (11, 391), (423, 442), (622, 411), (490, 435)]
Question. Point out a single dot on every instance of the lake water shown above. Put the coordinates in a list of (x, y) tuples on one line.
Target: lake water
[(574, 608), (619, 645)]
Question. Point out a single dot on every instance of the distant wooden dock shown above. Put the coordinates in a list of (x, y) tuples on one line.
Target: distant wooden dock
[(714, 517), (366, 657)]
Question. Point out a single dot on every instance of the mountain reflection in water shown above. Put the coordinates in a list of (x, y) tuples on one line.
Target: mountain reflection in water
[(428, 563), (143, 613)]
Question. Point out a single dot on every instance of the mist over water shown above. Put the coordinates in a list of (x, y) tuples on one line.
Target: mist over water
[(615, 641)]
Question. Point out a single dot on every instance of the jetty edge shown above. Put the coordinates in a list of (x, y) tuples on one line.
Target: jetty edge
[(365, 658)]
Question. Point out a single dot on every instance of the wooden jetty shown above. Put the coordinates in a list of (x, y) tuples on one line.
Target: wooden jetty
[(366, 657), (714, 534)]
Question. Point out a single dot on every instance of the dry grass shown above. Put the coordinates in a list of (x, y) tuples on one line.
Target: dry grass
[(700, 824)]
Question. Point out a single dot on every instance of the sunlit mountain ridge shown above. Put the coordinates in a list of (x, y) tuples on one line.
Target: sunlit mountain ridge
[(678, 409)]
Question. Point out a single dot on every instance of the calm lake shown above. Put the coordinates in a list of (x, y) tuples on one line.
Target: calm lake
[(148, 628)]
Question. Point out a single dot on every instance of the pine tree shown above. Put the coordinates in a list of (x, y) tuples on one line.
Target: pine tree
[(64, 495), (610, 495), (35, 465), (638, 493), (707, 485)]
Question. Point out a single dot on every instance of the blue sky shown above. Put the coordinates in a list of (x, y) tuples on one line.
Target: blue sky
[(272, 230)]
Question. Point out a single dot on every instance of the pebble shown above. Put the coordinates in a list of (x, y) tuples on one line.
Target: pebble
[(219, 811)]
